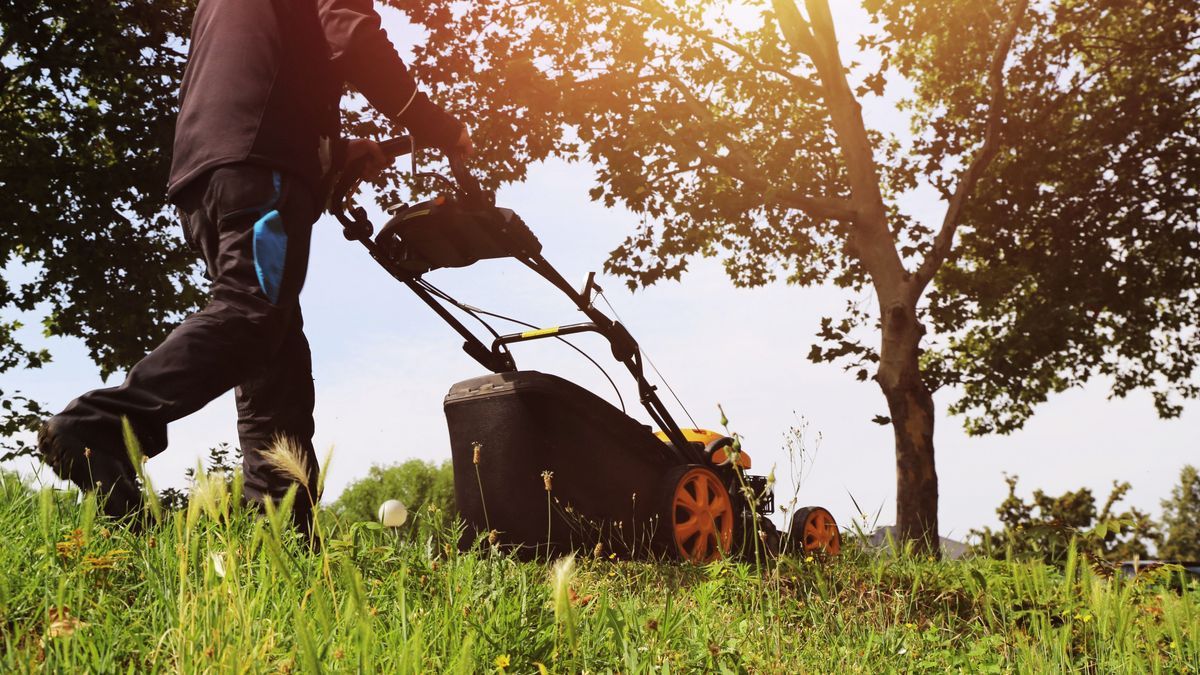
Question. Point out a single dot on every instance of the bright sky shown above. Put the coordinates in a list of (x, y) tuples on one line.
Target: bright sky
[(383, 362)]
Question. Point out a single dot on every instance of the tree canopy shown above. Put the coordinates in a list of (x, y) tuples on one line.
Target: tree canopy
[(87, 105), (1080, 253), (1181, 518), (1076, 256)]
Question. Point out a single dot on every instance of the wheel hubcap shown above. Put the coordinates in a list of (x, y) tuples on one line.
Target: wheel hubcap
[(703, 517), (820, 533)]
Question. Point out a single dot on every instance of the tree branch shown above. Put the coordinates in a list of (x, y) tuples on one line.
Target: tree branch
[(845, 114), (795, 28), (820, 208), (739, 164), (944, 240), (654, 180), (873, 242), (654, 9)]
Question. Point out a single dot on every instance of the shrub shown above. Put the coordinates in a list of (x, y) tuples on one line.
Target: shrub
[(1044, 528), (1181, 519), (418, 484), (222, 458)]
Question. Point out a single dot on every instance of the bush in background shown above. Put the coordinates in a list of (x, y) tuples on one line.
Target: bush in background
[(1044, 528), (418, 484), (1181, 519), (222, 458)]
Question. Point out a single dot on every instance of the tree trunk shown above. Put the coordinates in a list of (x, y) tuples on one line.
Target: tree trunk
[(911, 406)]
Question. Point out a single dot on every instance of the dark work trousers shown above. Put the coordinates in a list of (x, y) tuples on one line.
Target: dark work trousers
[(252, 226)]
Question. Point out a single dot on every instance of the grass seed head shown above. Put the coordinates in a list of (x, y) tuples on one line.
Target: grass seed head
[(561, 576), (285, 456)]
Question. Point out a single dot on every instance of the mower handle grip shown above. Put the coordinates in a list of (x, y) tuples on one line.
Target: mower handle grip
[(396, 147), (393, 148), (402, 145), (348, 178)]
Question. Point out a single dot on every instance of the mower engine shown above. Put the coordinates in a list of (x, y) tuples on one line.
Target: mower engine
[(719, 449)]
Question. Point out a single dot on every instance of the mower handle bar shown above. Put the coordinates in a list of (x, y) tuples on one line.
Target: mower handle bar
[(497, 359), (464, 181), (347, 182), (396, 147)]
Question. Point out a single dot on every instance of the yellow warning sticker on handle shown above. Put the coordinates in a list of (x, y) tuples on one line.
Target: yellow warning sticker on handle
[(541, 332)]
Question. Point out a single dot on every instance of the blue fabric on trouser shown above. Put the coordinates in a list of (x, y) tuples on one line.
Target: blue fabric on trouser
[(270, 253), (242, 339)]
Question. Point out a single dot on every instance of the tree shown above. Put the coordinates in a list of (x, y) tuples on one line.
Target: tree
[(1060, 135), (87, 106), (1181, 519)]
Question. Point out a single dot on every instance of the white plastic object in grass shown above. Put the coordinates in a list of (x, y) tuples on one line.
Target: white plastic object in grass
[(392, 513)]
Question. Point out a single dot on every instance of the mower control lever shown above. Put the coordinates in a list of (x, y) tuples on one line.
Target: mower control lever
[(354, 219), (467, 184)]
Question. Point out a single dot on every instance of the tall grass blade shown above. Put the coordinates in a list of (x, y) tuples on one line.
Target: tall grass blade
[(134, 448)]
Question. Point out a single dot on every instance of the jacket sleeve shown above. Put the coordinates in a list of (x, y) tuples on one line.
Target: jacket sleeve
[(364, 56)]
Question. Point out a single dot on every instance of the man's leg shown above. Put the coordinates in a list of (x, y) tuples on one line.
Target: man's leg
[(252, 228), (276, 404)]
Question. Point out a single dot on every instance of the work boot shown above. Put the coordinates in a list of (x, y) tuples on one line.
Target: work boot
[(111, 477)]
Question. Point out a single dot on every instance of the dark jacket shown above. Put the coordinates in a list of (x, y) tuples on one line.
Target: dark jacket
[(264, 79)]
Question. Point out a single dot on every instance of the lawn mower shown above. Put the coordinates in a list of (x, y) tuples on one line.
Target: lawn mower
[(543, 466)]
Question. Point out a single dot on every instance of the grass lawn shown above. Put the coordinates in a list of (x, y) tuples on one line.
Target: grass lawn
[(213, 588)]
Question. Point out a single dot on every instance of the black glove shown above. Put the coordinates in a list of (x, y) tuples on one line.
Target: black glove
[(431, 126)]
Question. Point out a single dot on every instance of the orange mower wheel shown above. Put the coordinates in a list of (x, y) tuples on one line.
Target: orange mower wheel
[(814, 529), (698, 514)]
